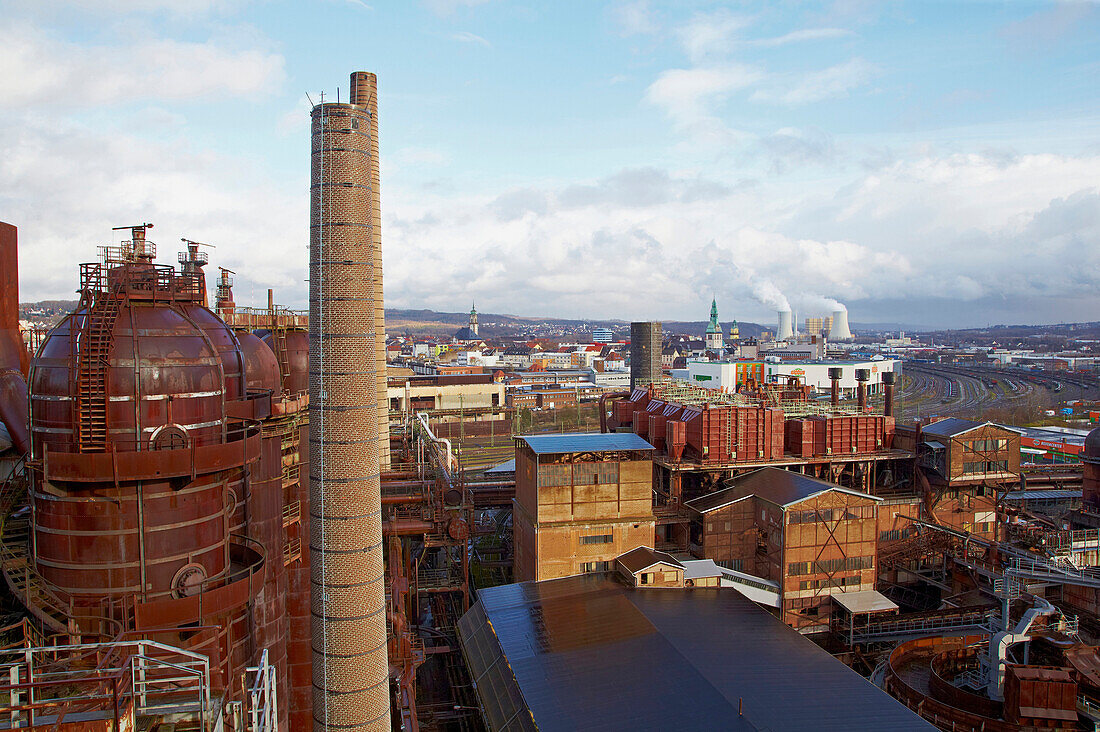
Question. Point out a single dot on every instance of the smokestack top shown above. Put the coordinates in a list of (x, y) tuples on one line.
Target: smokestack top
[(363, 88)]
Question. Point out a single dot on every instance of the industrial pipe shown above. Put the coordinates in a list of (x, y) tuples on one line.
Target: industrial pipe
[(862, 375), (834, 376), (888, 389), (603, 406)]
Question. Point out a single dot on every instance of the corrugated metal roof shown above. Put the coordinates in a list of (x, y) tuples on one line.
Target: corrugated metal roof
[(588, 653), (1055, 493), (552, 444), (697, 568), (950, 427), (775, 485)]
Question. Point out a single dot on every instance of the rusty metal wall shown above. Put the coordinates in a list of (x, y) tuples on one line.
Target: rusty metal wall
[(163, 368), (364, 93), (13, 355), (299, 620), (350, 663)]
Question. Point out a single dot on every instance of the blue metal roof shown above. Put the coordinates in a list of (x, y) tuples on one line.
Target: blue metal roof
[(1052, 493), (552, 444)]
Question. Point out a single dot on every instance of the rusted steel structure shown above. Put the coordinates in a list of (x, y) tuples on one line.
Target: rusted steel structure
[(13, 354), (350, 665), (156, 503)]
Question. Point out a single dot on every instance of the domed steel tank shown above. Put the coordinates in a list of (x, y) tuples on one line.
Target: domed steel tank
[(137, 458)]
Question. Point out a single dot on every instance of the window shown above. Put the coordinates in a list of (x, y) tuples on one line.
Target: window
[(895, 534), (828, 566), (670, 576), (646, 578), (588, 567), (597, 539), (496, 400), (734, 564), (595, 473), (555, 475)]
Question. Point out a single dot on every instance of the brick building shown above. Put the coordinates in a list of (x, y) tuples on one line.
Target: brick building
[(812, 537), (581, 501), (965, 465)]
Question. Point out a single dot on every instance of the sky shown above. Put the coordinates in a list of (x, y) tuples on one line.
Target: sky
[(935, 164)]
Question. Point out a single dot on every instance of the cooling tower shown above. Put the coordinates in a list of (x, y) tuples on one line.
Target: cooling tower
[(785, 330), (350, 665), (839, 331), (645, 354)]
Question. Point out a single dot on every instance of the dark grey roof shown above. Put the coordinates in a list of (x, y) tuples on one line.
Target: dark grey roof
[(950, 427), (508, 466), (587, 653), (552, 444), (775, 485), (643, 557)]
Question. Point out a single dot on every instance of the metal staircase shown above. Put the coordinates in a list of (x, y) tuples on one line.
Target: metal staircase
[(90, 346)]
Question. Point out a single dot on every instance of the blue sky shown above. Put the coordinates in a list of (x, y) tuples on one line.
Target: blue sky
[(927, 163)]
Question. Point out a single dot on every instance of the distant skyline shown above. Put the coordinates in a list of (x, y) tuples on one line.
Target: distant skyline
[(930, 163)]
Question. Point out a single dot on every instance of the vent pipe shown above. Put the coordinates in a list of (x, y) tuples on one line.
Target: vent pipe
[(862, 376), (350, 664), (835, 375), (888, 389), (785, 330)]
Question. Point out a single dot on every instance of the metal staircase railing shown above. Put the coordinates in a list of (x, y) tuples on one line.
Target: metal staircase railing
[(90, 346)]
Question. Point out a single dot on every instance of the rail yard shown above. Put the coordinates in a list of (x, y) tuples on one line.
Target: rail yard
[(956, 391)]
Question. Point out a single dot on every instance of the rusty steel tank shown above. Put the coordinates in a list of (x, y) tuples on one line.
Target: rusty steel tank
[(143, 431)]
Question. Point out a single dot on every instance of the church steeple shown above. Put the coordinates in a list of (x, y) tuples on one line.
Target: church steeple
[(473, 319), (713, 339)]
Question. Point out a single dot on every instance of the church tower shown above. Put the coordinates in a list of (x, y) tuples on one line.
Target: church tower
[(473, 320), (713, 340)]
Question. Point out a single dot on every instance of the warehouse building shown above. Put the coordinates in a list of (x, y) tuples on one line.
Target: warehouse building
[(591, 653)]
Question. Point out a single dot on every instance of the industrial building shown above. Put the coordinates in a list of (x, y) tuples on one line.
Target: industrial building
[(734, 375), (591, 653), (645, 354), (814, 539), (581, 500)]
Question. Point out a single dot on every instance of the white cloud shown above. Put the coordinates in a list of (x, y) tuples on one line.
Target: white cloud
[(710, 34), (66, 186), (122, 7), (38, 69), (798, 36), (634, 18), (448, 7), (467, 37), (835, 81), (689, 96)]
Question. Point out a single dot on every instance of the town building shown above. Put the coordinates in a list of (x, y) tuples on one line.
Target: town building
[(713, 338)]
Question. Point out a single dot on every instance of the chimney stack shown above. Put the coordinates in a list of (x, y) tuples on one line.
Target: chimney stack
[(350, 661), (835, 375), (888, 387), (862, 376)]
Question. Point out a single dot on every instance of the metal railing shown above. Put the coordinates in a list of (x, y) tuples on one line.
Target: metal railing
[(117, 681), (262, 700), (982, 620)]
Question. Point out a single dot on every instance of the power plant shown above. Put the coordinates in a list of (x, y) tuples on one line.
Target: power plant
[(785, 330), (839, 330)]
